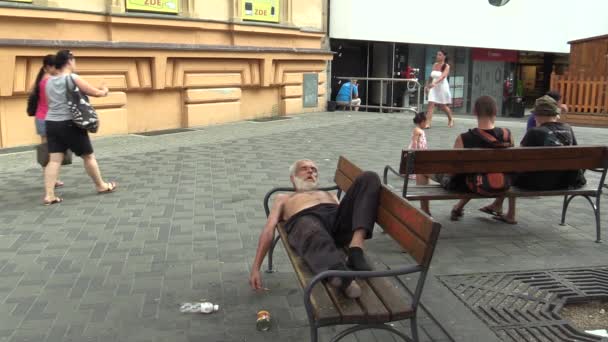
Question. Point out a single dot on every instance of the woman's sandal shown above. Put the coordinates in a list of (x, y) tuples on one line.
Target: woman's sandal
[(110, 187), (456, 214), (53, 201)]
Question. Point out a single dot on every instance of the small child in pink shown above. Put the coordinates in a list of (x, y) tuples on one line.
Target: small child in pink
[(418, 141)]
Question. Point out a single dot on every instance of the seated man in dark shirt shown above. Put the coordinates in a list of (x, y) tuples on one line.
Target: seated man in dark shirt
[(548, 132)]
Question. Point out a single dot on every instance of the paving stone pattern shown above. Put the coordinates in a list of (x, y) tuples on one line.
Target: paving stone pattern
[(184, 223)]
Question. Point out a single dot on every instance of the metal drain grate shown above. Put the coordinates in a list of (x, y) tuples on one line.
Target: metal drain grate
[(525, 306)]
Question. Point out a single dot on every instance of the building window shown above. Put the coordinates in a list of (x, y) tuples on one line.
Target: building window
[(261, 10), (155, 6)]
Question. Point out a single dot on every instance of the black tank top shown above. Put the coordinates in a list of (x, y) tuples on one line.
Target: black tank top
[(471, 140)]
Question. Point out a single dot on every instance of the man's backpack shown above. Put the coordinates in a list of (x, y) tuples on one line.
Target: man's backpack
[(490, 184)]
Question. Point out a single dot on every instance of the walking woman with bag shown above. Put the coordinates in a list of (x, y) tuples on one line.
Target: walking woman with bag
[(62, 133), (38, 106)]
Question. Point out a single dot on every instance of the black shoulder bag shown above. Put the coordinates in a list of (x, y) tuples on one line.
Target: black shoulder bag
[(84, 115), (32, 103)]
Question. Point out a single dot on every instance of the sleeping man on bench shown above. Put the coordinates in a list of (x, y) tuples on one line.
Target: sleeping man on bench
[(318, 225)]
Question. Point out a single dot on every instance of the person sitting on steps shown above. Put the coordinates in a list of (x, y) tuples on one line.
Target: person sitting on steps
[(318, 225)]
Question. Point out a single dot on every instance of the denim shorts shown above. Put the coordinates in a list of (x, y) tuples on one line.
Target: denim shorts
[(40, 127)]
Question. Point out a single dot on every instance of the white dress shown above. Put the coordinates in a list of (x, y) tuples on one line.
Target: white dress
[(440, 93)]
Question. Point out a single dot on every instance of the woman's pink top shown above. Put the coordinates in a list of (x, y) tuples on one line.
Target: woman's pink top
[(420, 144), (43, 105)]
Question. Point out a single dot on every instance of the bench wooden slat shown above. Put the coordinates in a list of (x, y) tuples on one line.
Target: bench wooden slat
[(482, 166), (393, 297), (349, 309), (343, 181), (436, 192), (517, 159), (414, 245), (324, 309), (348, 169), (414, 219), (374, 309)]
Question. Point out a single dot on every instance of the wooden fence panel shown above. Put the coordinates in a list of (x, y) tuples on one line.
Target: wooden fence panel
[(582, 94)]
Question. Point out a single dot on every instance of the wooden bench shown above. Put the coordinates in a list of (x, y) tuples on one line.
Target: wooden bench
[(516, 159), (381, 301)]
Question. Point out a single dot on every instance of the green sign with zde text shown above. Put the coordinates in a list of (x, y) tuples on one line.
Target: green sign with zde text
[(158, 6), (261, 10)]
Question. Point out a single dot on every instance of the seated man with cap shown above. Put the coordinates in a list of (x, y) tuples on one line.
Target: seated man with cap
[(548, 132)]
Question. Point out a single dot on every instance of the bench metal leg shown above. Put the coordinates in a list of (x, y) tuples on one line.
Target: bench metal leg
[(567, 200), (596, 211), (314, 332), (270, 253), (598, 228), (414, 328)]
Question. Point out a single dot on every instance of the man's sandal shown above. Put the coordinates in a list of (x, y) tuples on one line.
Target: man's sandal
[(503, 218), (456, 214), (490, 211)]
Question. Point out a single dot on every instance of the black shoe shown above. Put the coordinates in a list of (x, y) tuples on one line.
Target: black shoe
[(356, 260)]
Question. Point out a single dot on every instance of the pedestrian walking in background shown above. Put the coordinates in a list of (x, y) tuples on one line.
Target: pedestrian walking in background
[(439, 89), (39, 92), (62, 133)]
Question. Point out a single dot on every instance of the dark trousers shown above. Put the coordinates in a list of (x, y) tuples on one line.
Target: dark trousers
[(317, 233)]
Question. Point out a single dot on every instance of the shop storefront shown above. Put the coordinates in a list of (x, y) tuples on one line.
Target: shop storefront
[(513, 78), (357, 59)]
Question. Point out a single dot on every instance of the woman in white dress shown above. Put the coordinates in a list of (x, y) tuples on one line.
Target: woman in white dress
[(438, 89)]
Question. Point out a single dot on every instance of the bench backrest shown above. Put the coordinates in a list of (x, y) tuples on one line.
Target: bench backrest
[(516, 159), (414, 230)]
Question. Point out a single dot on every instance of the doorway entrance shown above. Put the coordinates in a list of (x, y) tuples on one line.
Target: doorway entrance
[(488, 80)]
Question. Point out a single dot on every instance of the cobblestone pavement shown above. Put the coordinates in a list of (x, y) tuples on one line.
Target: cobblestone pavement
[(184, 222)]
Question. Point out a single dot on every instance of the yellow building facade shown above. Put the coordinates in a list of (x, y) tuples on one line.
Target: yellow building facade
[(205, 62)]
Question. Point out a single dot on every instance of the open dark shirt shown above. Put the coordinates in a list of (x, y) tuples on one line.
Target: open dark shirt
[(550, 134)]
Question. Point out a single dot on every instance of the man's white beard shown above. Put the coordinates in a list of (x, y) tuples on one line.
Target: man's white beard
[(304, 185)]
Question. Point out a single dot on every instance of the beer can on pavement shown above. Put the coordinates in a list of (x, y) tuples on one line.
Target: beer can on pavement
[(263, 323)]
